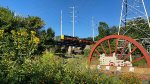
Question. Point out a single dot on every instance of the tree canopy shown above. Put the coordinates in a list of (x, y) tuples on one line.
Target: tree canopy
[(22, 36), (138, 25), (10, 21)]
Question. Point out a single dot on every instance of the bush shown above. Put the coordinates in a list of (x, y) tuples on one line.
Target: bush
[(18, 44), (52, 69), (87, 52)]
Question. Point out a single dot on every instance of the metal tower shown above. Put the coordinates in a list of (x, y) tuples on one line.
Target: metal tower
[(135, 11), (133, 18)]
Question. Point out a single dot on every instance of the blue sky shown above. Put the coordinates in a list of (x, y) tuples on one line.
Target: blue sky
[(49, 10)]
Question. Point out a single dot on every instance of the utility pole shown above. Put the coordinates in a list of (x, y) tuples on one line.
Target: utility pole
[(73, 20), (61, 23), (93, 27)]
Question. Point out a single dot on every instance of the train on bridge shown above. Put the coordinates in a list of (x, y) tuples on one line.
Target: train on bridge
[(73, 41), (77, 44)]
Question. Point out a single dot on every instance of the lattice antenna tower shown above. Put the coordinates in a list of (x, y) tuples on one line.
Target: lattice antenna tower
[(134, 15)]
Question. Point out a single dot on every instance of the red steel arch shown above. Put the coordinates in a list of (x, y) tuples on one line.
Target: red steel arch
[(139, 46)]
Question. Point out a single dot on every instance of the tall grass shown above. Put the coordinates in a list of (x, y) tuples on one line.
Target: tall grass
[(49, 69)]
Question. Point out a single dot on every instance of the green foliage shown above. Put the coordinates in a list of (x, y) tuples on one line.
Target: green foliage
[(6, 17), (8, 21), (103, 30), (139, 26), (18, 44), (47, 40), (20, 37), (87, 52), (33, 23), (50, 33), (142, 63), (113, 30), (51, 69), (130, 78)]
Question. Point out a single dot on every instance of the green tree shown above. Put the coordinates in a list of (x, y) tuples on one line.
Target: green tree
[(33, 23), (50, 33), (140, 28), (6, 17), (47, 40), (18, 35), (113, 30), (103, 30), (9, 21)]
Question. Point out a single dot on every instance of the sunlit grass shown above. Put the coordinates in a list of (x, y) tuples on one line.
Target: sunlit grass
[(49, 68)]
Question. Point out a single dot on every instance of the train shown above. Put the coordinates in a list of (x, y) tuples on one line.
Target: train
[(78, 44), (73, 41)]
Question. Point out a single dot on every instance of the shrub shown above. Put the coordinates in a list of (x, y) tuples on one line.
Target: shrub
[(52, 69), (18, 44), (87, 52)]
